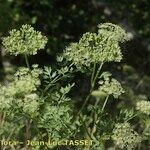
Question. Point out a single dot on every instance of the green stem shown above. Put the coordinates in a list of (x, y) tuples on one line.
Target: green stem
[(96, 120), (105, 103), (96, 76), (93, 73), (93, 113), (3, 118), (92, 86), (86, 100), (27, 61), (85, 127)]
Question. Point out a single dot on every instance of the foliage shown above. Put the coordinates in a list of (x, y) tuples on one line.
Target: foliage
[(38, 103)]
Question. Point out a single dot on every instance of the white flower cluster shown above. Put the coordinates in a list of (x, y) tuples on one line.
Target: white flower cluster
[(24, 41), (6, 98), (97, 48), (143, 106), (110, 86), (20, 91), (26, 81), (114, 32), (124, 136), (30, 104)]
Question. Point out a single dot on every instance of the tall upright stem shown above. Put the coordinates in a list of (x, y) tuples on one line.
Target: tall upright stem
[(105, 102), (93, 81), (93, 73), (97, 73), (96, 120)]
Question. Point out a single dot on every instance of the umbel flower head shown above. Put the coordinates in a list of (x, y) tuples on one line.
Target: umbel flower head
[(143, 106), (110, 86), (30, 104), (124, 136), (25, 82), (97, 47), (24, 41), (112, 31)]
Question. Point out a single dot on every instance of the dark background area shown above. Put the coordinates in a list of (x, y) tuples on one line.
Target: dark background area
[(65, 21)]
